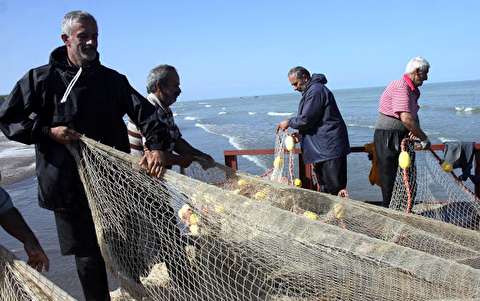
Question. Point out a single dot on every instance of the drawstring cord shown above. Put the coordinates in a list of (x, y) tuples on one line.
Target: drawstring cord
[(70, 85)]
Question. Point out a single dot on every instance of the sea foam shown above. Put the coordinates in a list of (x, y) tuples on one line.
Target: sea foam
[(279, 114), (233, 141)]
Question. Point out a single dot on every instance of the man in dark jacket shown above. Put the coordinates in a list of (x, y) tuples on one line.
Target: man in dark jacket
[(322, 131), (49, 107)]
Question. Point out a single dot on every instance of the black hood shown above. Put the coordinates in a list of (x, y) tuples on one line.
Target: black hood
[(319, 78), (59, 58)]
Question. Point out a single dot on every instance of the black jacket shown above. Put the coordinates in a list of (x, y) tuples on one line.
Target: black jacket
[(324, 133), (95, 107)]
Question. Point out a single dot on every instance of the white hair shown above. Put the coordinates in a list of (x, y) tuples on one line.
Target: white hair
[(417, 63), (73, 17)]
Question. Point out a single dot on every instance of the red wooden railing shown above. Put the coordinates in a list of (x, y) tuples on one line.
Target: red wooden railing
[(305, 170)]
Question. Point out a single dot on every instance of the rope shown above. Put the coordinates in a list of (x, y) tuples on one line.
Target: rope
[(455, 177), (405, 174)]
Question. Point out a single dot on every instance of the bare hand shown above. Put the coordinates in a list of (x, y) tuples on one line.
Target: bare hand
[(282, 126), (411, 136), (63, 134), (154, 162), (37, 258), (296, 137)]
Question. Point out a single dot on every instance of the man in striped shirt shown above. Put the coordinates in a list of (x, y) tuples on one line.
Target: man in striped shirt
[(397, 118), (12, 221), (163, 87)]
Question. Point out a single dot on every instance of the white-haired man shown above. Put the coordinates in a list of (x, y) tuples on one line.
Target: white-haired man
[(397, 119), (49, 107)]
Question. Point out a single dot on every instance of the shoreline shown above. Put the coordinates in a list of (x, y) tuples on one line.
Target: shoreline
[(13, 172), (17, 161)]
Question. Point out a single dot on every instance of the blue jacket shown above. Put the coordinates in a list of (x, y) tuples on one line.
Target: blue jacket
[(324, 133)]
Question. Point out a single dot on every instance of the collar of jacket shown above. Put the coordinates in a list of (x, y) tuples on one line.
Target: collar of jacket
[(59, 58), (153, 99), (309, 84)]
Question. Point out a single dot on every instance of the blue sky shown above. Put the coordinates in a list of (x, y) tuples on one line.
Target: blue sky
[(240, 48)]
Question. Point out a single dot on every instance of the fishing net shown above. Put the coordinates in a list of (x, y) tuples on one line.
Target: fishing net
[(425, 188), (231, 236), (18, 281), (283, 170)]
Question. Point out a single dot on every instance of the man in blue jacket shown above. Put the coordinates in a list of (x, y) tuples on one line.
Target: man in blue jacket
[(321, 130)]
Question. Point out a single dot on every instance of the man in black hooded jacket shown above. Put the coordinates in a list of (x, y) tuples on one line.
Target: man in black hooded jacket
[(49, 107), (322, 131)]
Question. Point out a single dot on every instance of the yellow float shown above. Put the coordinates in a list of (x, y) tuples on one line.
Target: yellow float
[(404, 160), (310, 215), (339, 211), (260, 195), (278, 162), (194, 219), (289, 143), (242, 182), (447, 167)]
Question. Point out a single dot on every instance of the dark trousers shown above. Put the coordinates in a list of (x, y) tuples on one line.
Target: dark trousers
[(387, 147), (332, 174), (93, 277), (76, 234)]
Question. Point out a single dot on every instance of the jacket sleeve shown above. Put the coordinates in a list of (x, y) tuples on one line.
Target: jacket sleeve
[(20, 112), (146, 117), (312, 111)]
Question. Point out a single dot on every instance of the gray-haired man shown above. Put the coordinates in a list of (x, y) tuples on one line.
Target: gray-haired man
[(163, 87), (50, 106)]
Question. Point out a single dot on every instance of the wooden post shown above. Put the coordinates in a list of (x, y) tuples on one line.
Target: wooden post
[(477, 172), (231, 161), (305, 173)]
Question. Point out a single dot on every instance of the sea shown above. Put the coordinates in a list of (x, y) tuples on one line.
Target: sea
[(448, 112)]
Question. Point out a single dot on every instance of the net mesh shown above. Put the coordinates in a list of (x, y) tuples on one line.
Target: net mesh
[(18, 281), (283, 163), (425, 188), (220, 235)]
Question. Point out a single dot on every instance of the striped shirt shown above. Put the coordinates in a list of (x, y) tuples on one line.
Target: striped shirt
[(137, 141), (400, 96)]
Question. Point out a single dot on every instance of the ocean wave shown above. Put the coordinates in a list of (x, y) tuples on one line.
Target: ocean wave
[(233, 141), (360, 125), (17, 152), (190, 118), (446, 139), (208, 106), (222, 113), (279, 114), (252, 113), (175, 114), (467, 110)]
